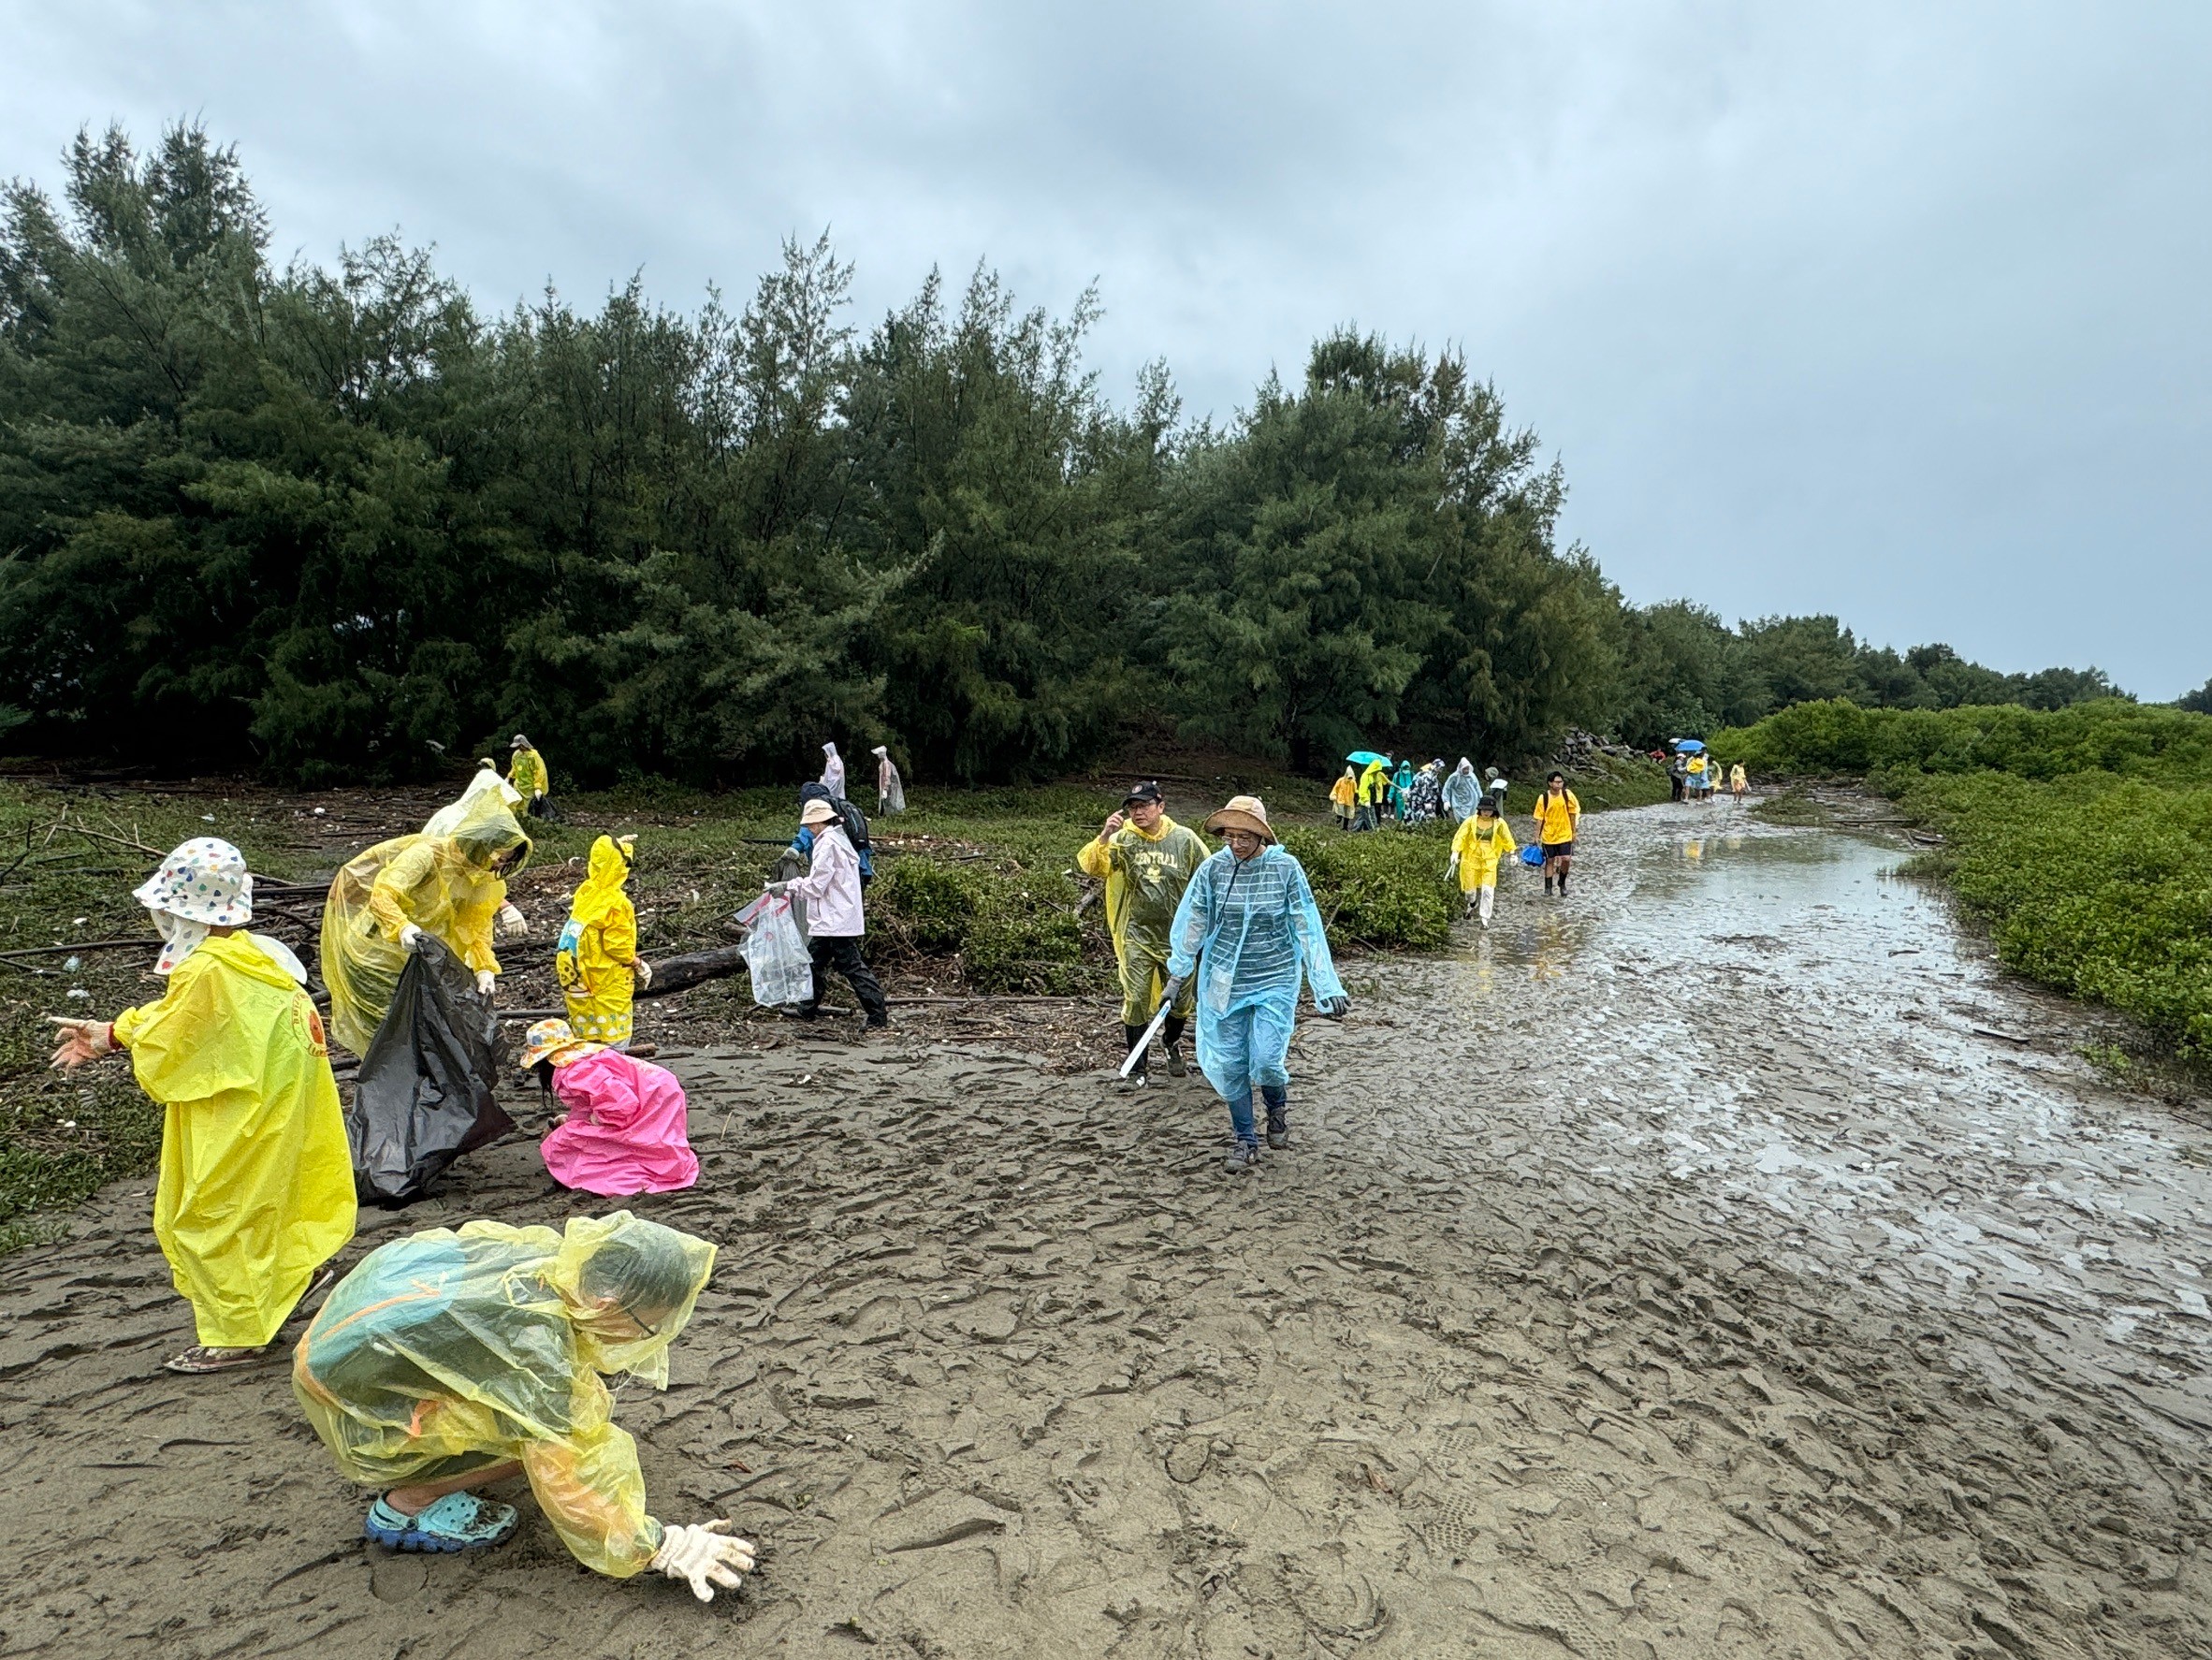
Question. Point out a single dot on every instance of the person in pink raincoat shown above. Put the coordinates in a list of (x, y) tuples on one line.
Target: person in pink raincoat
[(624, 1132)]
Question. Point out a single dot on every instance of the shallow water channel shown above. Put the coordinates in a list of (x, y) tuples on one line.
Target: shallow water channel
[(1777, 1027)]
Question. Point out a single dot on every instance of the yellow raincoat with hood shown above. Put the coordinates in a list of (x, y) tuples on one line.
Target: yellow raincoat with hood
[(596, 960), (451, 887), (257, 1188), (446, 1353)]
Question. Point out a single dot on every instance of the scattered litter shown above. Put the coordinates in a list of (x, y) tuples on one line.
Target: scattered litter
[(207, 818), (77, 991), (72, 965)]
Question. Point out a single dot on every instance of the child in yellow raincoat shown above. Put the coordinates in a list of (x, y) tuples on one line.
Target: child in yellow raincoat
[(596, 960), (1344, 795), (452, 887), (256, 1187), (1476, 848), (447, 1361)]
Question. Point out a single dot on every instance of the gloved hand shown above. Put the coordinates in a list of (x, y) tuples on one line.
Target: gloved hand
[(410, 936), (778, 888), (644, 970), (81, 1040), (1335, 1008), (705, 1556), (512, 924), (1170, 990), (1452, 869), (486, 981)]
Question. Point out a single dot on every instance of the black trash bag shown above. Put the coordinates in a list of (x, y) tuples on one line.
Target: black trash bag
[(426, 1091)]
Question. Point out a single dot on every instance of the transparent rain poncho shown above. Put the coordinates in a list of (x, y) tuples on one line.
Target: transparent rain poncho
[(446, 1353), (445, 885), (1252, 932), (1463, 791)]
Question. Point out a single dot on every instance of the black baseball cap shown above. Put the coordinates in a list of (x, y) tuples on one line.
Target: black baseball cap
[(1147, 790)]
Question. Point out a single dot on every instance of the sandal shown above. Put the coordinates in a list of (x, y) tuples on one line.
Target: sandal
[(457, 1521), (200, 1360)]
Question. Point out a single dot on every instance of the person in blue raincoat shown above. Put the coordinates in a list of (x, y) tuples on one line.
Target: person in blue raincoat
[(1402, 791), (1463, 790), (1248, 928)]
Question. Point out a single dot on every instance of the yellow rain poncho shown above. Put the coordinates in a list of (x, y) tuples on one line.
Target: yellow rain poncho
[(596, 960), (527, 773), (446, 885), (1478, 844), (1144, 876), (257, 1188), (444, 1352)]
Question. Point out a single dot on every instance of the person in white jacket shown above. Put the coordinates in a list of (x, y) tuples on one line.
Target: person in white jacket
[(835, 922)]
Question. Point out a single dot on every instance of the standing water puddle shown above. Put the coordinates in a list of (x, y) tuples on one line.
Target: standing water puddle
[(1777, 1031)]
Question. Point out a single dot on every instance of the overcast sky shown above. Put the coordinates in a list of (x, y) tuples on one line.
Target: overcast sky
[(1889, 308)]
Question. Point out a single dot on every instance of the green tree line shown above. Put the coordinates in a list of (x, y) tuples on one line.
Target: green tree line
[(335, 523)]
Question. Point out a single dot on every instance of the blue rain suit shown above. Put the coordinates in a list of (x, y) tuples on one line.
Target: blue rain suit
[(1251, 930)]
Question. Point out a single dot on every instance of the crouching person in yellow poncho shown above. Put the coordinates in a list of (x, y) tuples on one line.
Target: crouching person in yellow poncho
[(257, 1188), (447, 1361), (452, 887), (596, 960)]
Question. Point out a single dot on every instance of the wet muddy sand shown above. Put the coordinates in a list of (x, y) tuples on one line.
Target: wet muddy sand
[(1725, 1261)]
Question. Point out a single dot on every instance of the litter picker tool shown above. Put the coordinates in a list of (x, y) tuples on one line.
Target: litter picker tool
[(1152, 1031)]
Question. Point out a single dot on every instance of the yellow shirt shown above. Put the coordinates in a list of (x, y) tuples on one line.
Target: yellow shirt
[(1556, 816)]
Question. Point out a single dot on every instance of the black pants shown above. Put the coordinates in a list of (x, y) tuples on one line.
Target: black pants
[(842, 952)]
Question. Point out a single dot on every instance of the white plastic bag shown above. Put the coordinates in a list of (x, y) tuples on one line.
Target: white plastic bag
[(783, 973)]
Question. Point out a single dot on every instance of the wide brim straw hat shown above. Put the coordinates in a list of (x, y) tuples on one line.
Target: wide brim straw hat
[(548, 1039), (817, 811), (1243, 812)]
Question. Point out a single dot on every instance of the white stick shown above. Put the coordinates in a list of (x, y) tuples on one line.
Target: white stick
[(1145, 1042)]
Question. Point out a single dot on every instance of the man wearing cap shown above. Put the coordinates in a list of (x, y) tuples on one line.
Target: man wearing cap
[(525, 773), (834, 921), (1249, 930), (1145, 860)]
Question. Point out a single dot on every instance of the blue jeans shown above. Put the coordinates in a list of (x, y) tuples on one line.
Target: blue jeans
[(1242, 1048)]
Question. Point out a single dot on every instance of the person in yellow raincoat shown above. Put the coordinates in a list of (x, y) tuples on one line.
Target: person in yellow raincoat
[(452, 887), (527, 773), (257, 1186), (1375, 786), (1477, 846), (596, 960), (1146, 860), (1344, 795), (448, 1361)]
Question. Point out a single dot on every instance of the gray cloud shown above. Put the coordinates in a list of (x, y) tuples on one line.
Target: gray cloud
[(1892, 310)]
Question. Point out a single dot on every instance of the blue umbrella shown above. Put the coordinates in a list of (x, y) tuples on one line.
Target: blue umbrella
[(1364, 757), (1689, 746)]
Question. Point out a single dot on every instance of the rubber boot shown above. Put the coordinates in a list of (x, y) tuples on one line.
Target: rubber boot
[(1277, 1096), (1172, 1039)]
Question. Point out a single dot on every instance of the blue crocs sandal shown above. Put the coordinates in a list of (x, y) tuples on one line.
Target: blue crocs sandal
[(457, 1521)]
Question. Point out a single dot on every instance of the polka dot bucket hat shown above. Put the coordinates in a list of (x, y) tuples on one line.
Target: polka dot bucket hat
[(205, 881)]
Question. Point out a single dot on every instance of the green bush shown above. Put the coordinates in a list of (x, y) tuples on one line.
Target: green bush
[(1384, 889), (936, 904)]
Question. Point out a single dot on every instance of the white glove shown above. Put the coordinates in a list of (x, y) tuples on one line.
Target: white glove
[(512, 924), (706, 1556), (1452, 869), (644, 970), (410, 936), (486, 980)]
